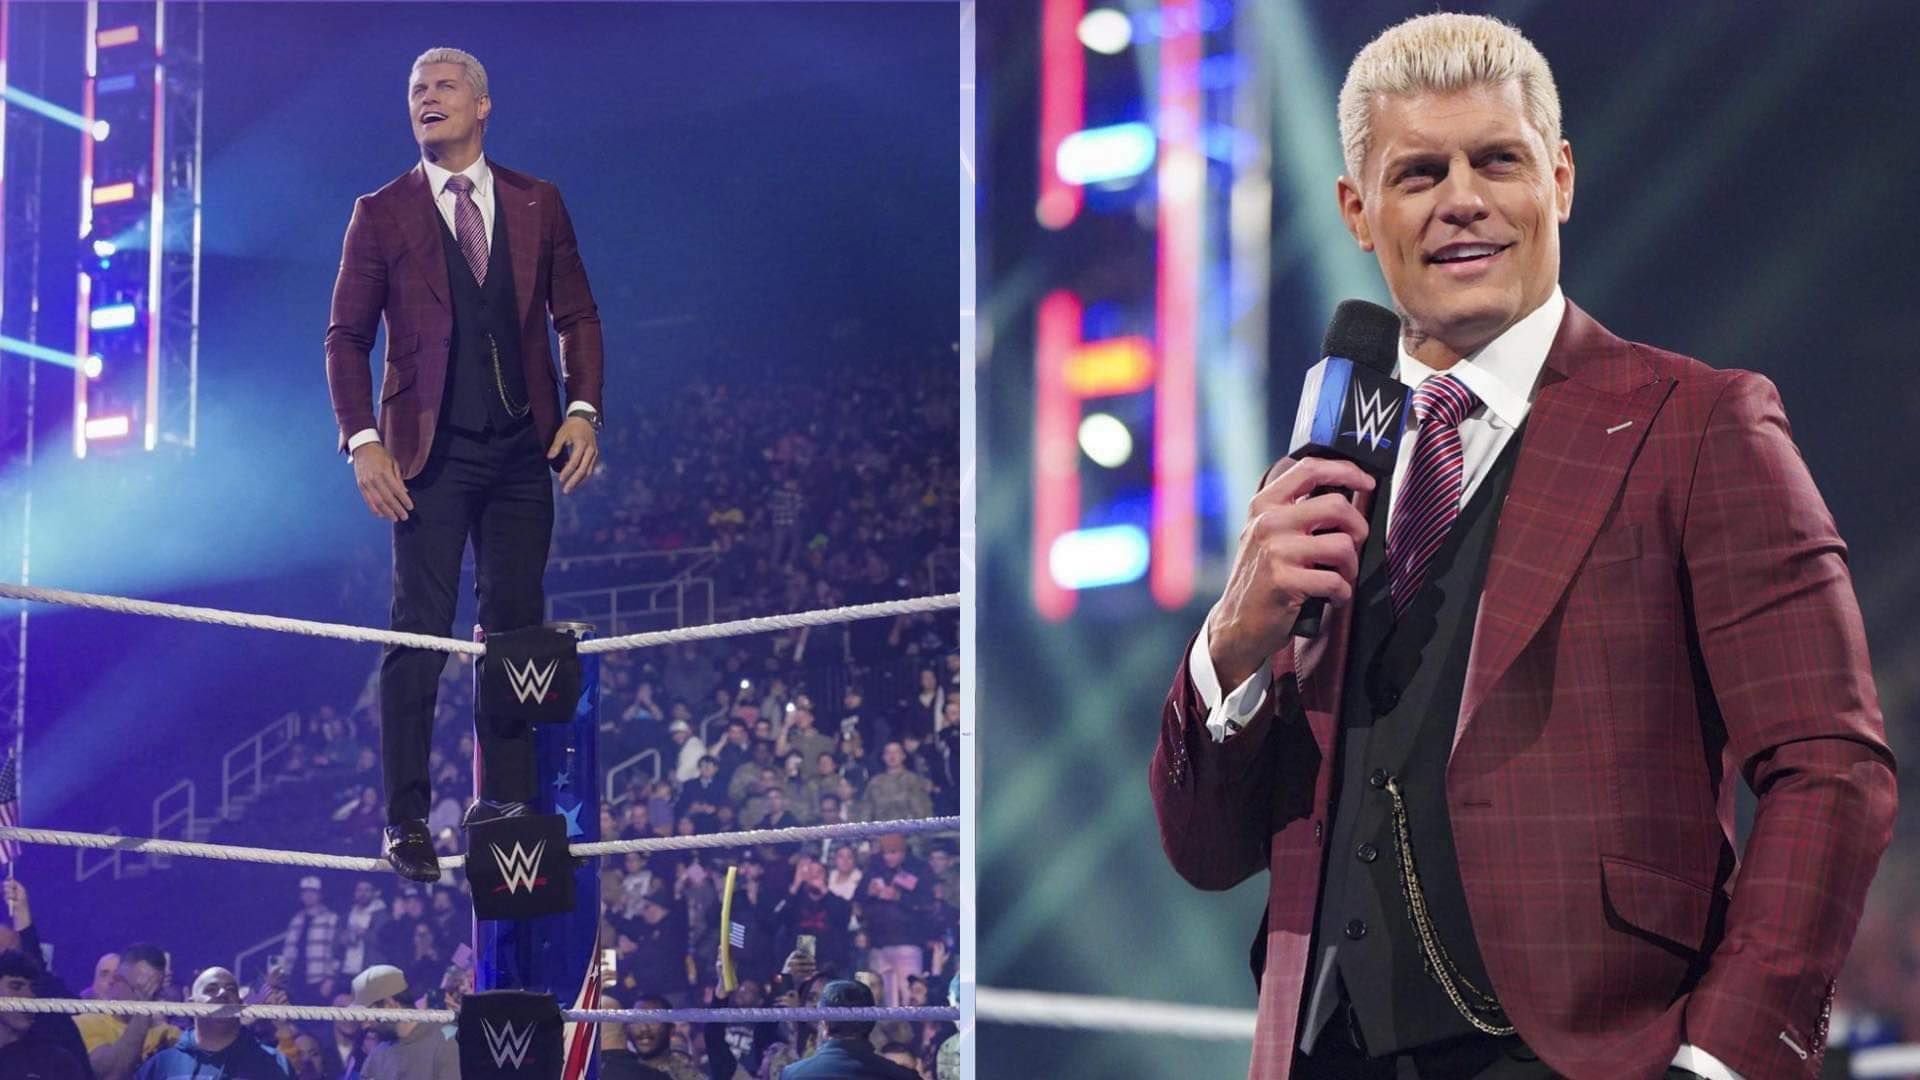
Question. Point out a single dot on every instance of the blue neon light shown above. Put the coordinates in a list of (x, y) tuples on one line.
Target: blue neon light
[(15, 95), (1103, 154), (37, 352), (113, 317), (1091, 558)]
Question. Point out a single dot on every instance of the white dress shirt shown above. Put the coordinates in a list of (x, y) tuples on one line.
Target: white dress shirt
[(1503, 375), (447, 201)]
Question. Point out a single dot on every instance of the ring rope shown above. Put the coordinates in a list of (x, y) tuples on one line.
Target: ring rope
[(322, 861), (211, 1010), (343, 632), (1089, 1013)]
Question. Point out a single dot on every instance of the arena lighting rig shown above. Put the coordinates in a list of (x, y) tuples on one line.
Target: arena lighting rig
[(137, 316), (1146, 148)]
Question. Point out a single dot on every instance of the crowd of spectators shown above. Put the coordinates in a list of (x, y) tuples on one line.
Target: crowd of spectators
[(826, 488)]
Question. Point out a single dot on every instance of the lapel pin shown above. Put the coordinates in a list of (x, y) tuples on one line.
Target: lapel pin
[(1620, 427)]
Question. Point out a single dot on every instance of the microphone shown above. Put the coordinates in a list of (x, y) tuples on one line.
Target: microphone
[(1351, 407)]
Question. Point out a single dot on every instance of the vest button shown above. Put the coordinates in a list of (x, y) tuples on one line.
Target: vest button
[(1356, 929), (1378, 779), (1387, 698), (1367, 853), (445, 341)]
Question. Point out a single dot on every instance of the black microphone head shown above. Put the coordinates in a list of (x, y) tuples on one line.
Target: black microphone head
[(1365, 333), (1352, 407)]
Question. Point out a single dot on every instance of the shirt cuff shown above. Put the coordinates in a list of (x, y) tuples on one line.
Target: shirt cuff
[(1696, 1060), (582, 406), (361, 438), (1225, 715)]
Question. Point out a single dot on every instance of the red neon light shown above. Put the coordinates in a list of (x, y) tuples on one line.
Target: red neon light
[(1109, 368), (1056, 450), (1063, 103), (1182, 175)]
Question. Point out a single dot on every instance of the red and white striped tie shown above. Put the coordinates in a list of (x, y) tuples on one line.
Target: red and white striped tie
[(469, 229), (1430, 501)]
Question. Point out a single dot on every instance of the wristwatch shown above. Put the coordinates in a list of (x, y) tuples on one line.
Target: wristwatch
[(588, 413)]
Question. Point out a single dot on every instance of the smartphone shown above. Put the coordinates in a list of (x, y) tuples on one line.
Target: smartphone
[(463, 957), (610, 964), (805, 944)]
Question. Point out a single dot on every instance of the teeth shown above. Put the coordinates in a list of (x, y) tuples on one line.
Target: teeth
[(1465, 251)]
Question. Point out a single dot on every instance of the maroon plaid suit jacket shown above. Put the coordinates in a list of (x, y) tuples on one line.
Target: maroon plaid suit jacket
[(393, 266), (1667, 606)]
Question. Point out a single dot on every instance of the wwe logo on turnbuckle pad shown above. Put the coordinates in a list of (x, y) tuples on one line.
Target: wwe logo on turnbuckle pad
[(531, 683), (519, 867), (507, 1041), (1373, 414)]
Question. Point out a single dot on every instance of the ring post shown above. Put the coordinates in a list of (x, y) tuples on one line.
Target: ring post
[(557, 954)]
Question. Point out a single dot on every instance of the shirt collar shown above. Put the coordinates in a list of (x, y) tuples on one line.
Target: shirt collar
[(1505, 370), (478, 172)]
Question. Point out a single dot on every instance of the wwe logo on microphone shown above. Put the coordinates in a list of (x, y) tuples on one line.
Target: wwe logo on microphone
[(530, 683), (520, 866), (507, 1042), (1373, 415)]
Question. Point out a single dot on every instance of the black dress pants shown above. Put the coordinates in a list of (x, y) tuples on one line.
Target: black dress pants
[(1340, 1054), (495, 489)]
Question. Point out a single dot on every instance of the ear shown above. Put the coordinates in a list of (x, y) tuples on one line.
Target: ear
[(484, 108), (1563, 181), (1353, 211)]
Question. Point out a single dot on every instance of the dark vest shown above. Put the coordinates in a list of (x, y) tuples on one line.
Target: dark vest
[(485, 318), (1399, 707)]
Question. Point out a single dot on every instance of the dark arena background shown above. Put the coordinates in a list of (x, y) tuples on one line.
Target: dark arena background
[(1165, 171), (765, 198)]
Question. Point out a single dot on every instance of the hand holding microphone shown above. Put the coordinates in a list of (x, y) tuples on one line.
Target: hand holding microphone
[(1301, 544)]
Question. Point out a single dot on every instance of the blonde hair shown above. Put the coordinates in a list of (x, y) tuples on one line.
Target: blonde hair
[(476, 71), (1444, 52)]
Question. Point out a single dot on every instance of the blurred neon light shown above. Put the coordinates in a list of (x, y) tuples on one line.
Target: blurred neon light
[(1091, 558), (36, 352), (113, 193), (119, 35), (114, 84), (108, 427), (1182, 185), (16, 96), (1056, 455), (1106, 31), (104, 248), (1106, 440), (93, 366), (1063, 91), (112, 317), (101, 129), (1115, 366), (1104, 154)]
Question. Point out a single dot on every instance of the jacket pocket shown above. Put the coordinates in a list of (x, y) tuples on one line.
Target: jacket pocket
[(402, 348), (1655, 902), (1618, 544), (397, 379)]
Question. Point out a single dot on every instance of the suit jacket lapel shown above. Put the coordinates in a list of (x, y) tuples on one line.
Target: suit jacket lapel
[(1595, 403), (515, 199), (420, 226)]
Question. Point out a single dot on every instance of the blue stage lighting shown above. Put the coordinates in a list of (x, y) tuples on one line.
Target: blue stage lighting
[(113, 317)]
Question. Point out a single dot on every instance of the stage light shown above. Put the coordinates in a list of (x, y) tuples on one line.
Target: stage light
[(36, 352), (112, 317), (1106, 31), (113, 193), (1104, 154), (1114, 366), (1106, 440), (93, 366), (104, 248), (100, 130), (34, 104), (108, 427), (1091, 558), (119, 35)]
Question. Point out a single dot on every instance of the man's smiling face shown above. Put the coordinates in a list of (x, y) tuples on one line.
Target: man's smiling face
[(1461, 200), (442, 106)]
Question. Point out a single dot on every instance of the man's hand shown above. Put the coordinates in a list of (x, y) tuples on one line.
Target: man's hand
[(380, 484), (582, 445), (18, 911), (1295, 545), (800, 966)]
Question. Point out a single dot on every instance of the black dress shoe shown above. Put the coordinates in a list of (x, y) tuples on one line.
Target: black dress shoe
[(410, 849), (485, 810)]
